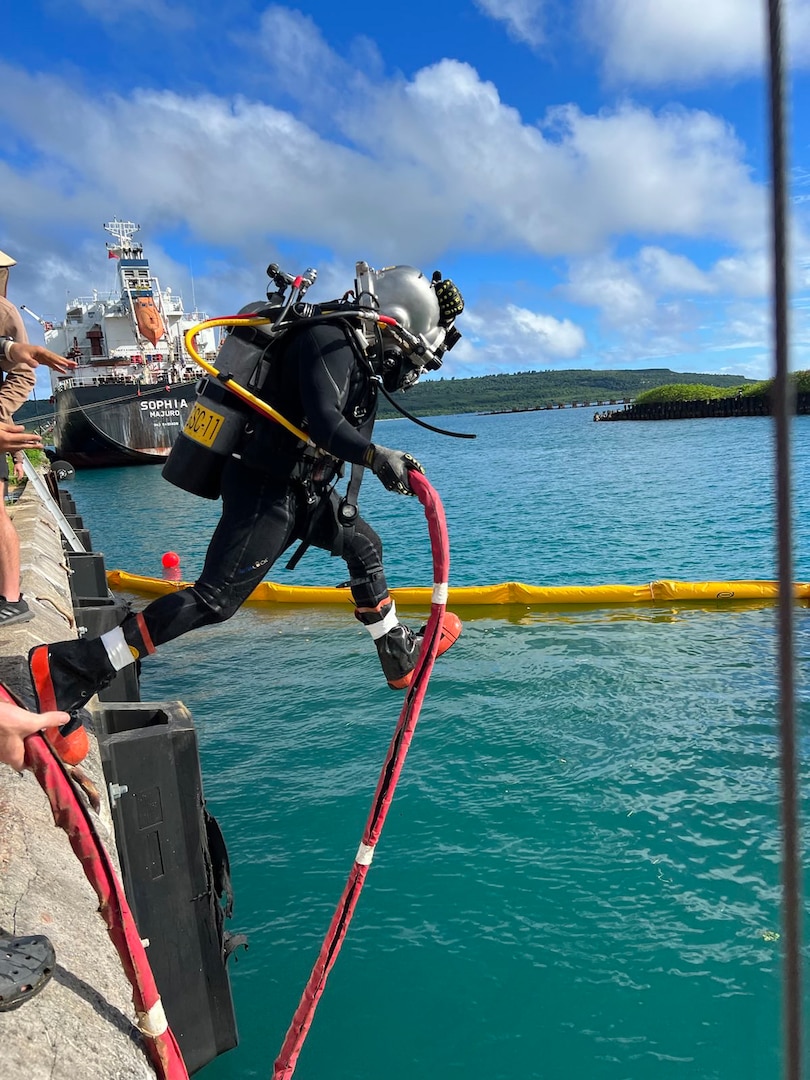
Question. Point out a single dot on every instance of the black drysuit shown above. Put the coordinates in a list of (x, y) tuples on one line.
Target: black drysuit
[(273, 488)]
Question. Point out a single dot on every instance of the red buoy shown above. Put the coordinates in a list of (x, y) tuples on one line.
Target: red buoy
[(170, 559)]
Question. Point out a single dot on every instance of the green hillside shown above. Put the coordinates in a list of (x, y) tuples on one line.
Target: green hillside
[(506, 393), (538, 389)]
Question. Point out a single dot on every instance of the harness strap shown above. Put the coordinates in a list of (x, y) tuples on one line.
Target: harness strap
[(347, 511), (346, 517)]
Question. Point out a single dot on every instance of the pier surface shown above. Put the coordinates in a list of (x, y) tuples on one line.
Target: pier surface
[(81, 1026)]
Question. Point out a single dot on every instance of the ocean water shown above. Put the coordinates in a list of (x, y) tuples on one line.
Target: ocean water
[(580, 872)]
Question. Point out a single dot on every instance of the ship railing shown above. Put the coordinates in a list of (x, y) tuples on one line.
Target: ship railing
[(150, 378), (106, 298)]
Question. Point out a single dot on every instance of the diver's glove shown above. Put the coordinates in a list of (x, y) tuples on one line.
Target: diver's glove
[(392, 468), (451, 302)]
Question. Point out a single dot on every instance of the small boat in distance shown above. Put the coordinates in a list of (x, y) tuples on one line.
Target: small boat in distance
[(127, 401)]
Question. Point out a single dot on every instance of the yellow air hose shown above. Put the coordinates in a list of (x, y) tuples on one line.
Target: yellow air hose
[(235, 387)]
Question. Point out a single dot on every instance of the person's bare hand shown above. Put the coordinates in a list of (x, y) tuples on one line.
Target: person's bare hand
[(34, 355), (14, 437), (16, 724)]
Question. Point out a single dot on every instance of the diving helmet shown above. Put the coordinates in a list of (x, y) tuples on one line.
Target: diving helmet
[(419, 335)]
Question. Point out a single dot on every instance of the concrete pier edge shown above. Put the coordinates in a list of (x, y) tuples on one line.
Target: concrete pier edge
[(81, 1026)]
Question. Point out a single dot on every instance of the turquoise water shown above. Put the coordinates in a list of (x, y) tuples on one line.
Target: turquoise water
[(579, 876)]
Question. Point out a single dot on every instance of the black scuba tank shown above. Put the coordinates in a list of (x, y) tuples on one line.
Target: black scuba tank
[(217, 420)]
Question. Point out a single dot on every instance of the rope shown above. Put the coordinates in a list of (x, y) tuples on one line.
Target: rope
[(70, 813), (783, 408), (392, 767)]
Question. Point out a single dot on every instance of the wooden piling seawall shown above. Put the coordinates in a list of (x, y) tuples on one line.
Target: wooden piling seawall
[(750, 405)]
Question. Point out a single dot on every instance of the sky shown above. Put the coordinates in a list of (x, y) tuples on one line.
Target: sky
[(593, 174)]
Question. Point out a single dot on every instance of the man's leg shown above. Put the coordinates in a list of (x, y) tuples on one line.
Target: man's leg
[(398, 646), (258, 518), (13, 609)]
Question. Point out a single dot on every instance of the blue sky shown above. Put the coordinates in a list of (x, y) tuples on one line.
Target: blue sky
[(592, 173)]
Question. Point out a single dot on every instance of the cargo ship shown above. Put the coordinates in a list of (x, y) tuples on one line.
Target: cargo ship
[(127, 401)]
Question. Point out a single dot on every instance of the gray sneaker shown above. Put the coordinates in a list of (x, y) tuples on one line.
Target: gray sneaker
[(14, 611)]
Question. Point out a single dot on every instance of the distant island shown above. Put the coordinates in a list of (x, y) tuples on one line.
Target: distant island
[(529, 390)]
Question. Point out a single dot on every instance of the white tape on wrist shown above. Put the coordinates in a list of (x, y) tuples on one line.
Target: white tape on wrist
[(380, 629), (118, 652), (7, 347)]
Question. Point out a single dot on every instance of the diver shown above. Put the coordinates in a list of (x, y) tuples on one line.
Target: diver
[(322, 372)]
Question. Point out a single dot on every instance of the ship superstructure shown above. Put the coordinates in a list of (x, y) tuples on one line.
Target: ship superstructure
[(127, 400)]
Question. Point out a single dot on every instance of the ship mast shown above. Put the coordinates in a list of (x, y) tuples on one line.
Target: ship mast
[(122, 232)]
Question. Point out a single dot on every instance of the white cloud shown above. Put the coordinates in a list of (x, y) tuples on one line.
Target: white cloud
[(560, 339), (423, 166), (660, 305), (743, 275), (670, 273), (687, 42), (612, 288), (571, 183), (399, 170), (174, 17), (513, 338), (523, 18)]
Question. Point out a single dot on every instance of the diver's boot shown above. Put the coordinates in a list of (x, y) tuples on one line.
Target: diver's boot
[(66, 674), (70, 741), (398, 647)]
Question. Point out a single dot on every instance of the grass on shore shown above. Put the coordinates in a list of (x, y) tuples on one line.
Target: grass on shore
[(699, 392)]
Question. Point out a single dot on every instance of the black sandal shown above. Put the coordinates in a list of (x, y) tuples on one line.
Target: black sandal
[(26, 965)]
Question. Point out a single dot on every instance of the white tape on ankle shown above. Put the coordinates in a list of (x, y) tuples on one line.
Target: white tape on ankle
[(118, 652), (380, 629)]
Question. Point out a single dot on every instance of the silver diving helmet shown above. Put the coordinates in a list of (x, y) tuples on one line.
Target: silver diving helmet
[(404, 294)]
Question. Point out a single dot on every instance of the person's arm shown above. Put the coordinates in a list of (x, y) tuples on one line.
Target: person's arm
[(17, 385), (19, 353), (326, 362)]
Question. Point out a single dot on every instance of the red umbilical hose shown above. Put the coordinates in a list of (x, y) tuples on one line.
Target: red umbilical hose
[(392, 767), (70, 813)]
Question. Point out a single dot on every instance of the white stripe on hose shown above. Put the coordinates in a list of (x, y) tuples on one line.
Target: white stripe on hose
[(365, 853), (153, 1022)]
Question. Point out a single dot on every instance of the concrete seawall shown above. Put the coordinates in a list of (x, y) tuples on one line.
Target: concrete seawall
[(81, 1026)]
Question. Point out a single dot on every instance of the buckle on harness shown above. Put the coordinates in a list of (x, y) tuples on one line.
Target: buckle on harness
[(346, 512)]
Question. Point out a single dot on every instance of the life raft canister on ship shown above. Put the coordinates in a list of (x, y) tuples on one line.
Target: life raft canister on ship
[(216, 423)]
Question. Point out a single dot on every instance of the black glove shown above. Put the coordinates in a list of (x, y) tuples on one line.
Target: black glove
[(451, 302), (392, 468)]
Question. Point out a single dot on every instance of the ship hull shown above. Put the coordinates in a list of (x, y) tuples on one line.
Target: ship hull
[(120, 424)]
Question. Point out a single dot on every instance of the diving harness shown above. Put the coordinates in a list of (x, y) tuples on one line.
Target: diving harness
[(389, 352)]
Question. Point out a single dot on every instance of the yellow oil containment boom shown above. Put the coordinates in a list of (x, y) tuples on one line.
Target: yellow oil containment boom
[(507, 593)]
